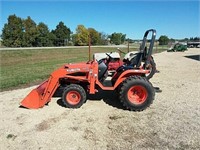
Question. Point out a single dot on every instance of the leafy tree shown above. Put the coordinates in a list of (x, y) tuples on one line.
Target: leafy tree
[(103, 38), (62, 34), (12, 33), (74, 37), (172, 40), (163, 40), (30, 32), (123, 38), (43, 35), (130, 40), (197, 39), (194, 39), (191, 39), (81, 36), (117, 38), (94, 36), (52, 39)]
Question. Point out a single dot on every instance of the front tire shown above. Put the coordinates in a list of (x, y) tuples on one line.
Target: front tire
[(74, 96), (136, 93)]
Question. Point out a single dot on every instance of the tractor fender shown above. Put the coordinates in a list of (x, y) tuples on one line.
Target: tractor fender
[(128, 73)]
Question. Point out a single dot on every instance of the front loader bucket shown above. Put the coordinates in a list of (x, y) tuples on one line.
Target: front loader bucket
[(41, 95), (34, 98)]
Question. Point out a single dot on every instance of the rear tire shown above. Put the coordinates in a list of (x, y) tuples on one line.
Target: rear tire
[(152, 70), (136, 93), (74, 96)]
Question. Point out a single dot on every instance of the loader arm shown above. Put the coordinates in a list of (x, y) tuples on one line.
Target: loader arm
[(41, 95)]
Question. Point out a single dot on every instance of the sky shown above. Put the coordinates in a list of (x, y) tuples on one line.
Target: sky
[(175, 18)]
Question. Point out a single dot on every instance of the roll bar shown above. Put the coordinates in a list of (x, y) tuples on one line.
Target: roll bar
[(142, 47)]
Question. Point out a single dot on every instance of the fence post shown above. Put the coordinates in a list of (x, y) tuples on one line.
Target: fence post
[(128, 46), (89, 44)]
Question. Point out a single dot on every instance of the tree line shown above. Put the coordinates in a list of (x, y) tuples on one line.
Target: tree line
[(164, 40), (18, 32)]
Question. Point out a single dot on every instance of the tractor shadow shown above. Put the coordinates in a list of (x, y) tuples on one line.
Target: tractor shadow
[(109, 97), (194, 57), (60, 102)]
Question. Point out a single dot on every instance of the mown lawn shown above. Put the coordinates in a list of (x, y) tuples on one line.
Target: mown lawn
[(21, 68)]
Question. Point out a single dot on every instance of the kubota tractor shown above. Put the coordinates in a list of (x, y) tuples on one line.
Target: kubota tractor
[(178, 47), (76, 80)]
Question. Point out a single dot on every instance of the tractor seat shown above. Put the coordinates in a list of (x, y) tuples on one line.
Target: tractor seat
[(124, 68), (102, 70), (135, 62)]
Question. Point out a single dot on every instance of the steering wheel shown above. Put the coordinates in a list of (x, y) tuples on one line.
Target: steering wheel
[(110, 57), (106, 60)]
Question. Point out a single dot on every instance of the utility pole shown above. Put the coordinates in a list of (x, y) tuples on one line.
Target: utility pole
[(89, 43), (128, 45)]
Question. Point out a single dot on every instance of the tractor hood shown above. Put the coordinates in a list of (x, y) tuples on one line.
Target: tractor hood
[(77, 67)]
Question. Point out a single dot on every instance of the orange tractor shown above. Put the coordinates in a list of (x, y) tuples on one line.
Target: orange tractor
[(77, 80)]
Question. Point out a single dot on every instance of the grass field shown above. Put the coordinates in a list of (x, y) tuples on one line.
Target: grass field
[(21, 68)]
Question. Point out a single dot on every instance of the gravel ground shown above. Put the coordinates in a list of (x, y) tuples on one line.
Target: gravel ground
[(171, 122)]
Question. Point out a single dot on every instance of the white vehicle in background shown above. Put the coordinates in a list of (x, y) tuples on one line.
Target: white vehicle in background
[(193, 44)]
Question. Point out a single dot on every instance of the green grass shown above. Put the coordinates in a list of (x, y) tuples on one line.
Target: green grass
[(21, 68)]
